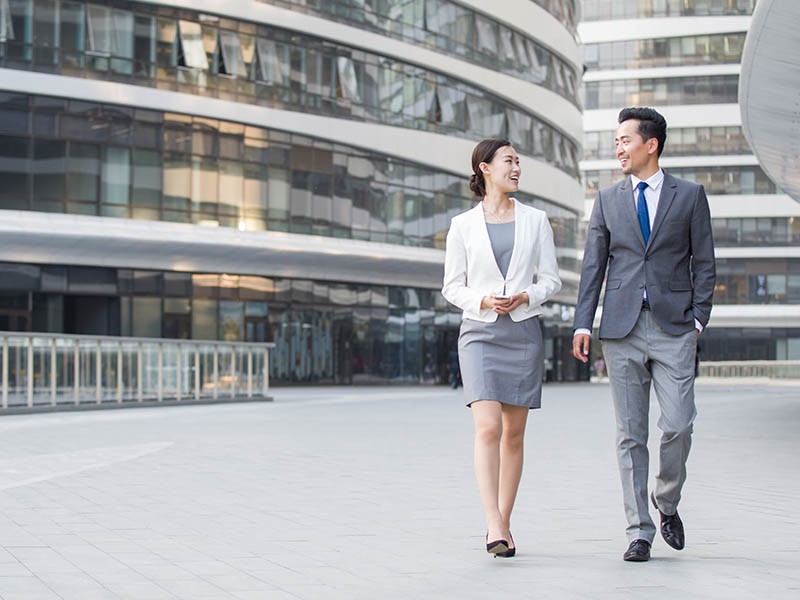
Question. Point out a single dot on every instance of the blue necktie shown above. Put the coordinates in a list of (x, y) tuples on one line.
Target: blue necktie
[(641, 210)]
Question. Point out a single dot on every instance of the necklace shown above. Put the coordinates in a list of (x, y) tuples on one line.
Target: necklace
[(497, 216)]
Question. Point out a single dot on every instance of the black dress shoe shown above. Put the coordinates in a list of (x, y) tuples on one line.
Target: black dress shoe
[(638, 551), (671, 527)]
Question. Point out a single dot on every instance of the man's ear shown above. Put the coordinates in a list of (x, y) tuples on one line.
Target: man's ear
[(652, 146)]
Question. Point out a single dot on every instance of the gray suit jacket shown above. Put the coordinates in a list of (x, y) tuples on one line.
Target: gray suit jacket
[(677, 266)]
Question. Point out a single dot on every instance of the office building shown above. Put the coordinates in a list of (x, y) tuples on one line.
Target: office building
[(281, 171), (683, 57)]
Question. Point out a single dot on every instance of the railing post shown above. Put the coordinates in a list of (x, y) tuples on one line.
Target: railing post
[(249, 372), (216, 372), (76, 384), (53, 372), (196, 373), (178, 367), (160, 372), (119, 372), (29, 382), (98, 373), (266, 373), (139, 372), (234, 378), (5, 372)]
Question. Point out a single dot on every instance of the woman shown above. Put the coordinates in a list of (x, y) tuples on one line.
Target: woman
[(500, 266)]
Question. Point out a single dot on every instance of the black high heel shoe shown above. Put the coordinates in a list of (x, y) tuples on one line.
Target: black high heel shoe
[(510, 552), (496, 547)]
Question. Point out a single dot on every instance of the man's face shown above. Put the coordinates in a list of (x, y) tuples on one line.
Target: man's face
[(634, 154)]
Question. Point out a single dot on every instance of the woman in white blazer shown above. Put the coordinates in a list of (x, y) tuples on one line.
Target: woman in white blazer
[(500, 267)]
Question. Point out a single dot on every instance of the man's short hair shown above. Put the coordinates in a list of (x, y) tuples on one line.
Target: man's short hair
[(651, 123)]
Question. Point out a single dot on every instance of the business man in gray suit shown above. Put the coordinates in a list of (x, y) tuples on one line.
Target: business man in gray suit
[(652, 234)]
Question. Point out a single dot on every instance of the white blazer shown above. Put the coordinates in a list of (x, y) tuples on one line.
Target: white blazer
[(471, 271)]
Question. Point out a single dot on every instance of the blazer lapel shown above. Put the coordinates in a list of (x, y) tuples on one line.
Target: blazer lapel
[(668, 191), (482, 235), (520, 227)]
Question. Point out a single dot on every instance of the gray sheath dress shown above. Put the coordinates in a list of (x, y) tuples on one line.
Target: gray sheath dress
[(503, 360)]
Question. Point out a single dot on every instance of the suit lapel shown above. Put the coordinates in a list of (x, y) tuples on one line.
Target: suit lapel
[(668, 191), (625, 197)]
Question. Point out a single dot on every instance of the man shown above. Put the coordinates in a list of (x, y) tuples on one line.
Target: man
[(652, 233)]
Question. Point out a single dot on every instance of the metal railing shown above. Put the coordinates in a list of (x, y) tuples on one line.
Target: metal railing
[(773, 369), (57, 370)]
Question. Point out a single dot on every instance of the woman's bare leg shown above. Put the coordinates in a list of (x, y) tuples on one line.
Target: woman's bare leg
[(488, 432), (512, 444)]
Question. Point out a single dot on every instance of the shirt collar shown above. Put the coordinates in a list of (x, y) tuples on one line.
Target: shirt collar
[(653, 182)]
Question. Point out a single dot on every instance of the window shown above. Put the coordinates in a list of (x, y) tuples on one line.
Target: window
[(110, 34), (116, 179), (229, 55), (273, 63), (348, 87), (190, 46), (452, 106), (6, 24)]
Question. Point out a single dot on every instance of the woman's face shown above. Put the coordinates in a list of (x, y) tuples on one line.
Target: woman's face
[(503, 172)]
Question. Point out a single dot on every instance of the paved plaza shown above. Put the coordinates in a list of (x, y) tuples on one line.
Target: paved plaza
[(369, 493)]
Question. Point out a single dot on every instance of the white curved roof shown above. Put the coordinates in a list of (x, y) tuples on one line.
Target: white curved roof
[(769, 91)]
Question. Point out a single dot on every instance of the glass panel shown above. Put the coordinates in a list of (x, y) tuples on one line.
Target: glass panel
[(146, 199), (453, 106), (14, 166), (231, 321), (348, 81), (72, 33), (273, 62), (144, 46), (6, 24), (45, 32), (231, 52), (83, 169), (204, 319), (191, 54), (116, 179), (146, 313)]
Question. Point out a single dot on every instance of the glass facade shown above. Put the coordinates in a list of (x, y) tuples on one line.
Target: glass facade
[(597, 10), (716, 180), (681, 141), (717, 49), (757, 281), (759, 231), (664, 91), (324, 331), (256, 64), (755, 343), (96, 159), (114, 159), (450, 28)]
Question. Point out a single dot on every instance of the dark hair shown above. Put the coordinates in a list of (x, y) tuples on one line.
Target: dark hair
[(651, 124), (483, 152)]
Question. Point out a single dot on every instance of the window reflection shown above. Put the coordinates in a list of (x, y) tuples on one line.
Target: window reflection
[(296, 72)]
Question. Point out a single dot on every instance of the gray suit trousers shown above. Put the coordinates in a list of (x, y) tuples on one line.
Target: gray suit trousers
[(650, 355)]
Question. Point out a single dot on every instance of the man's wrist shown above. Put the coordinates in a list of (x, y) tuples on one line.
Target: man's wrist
[(582, 331)]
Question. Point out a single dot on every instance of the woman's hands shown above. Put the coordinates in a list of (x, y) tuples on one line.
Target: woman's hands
[(503, 306)]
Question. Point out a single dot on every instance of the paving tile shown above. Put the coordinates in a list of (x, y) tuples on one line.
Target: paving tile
[(339, 492)]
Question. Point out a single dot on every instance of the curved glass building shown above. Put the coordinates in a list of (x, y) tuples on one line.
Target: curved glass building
[(281, 171)]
